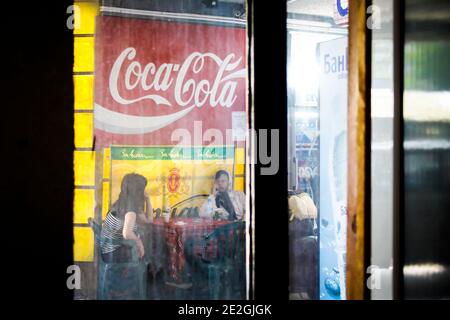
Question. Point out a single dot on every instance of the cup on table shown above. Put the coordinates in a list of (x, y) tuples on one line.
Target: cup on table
[(219, 214), (166, 216)]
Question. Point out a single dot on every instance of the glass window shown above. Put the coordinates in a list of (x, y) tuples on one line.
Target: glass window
[(426, 130), (161, 194), (382, 150), (317, 147)]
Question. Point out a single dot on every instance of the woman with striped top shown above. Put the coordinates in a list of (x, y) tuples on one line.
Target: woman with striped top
[(121, 220)]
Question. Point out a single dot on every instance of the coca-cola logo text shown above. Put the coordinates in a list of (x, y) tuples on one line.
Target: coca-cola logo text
[(157, 81)]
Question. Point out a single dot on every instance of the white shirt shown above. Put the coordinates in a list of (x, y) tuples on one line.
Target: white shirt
[(237, 199)]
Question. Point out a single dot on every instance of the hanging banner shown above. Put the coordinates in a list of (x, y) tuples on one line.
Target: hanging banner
[(333, 167), (154, 77), (174, 174)]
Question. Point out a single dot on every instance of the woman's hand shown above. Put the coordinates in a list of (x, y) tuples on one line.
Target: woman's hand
[(148, 216), (140, 246)]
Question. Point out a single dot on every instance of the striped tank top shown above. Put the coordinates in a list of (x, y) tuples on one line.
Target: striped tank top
[(112, 229)]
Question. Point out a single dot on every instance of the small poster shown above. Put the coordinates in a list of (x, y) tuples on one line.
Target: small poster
[(333, 168)]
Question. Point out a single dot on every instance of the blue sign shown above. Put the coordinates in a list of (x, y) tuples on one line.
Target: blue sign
[(333, 168), (342, 11)]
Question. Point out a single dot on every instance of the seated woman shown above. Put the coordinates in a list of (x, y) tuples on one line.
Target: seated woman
[(121, 220), (303, 247)]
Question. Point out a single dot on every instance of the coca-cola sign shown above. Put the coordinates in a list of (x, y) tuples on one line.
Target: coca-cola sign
[(152, 77)]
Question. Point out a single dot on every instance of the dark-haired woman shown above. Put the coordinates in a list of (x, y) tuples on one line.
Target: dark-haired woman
[(121, 221)]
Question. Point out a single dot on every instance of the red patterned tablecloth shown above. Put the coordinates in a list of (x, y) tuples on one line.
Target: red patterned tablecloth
[(177, 232)]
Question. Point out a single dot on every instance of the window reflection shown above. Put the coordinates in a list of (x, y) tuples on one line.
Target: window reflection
[(317, 144), (426, 150), (382, 152), (166, 137)]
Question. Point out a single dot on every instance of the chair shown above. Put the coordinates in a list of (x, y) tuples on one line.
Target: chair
[(189, 207), (116, 280), (156, 259), (181, 288), (183, 213), (303, 271), (226, 270), (189, 212)]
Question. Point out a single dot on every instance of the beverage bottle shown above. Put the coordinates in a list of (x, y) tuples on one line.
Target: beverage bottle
[(166, 210)]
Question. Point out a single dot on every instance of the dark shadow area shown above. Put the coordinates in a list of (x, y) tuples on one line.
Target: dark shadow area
[(38, 129)]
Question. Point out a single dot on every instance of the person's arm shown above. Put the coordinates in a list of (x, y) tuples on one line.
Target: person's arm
[(148, 216), (128, 226), (209, 207), (128, 232)]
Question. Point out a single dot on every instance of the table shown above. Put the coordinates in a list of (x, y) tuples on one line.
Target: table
[(166, 242)]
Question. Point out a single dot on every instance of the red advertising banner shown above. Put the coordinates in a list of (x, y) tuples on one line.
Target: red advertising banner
[(153, 77)]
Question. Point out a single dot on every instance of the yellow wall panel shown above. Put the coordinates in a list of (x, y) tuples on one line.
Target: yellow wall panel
[(88, 12), (105, 200), (239, 169), (84, 168), (239, 184), (83, 248), (84, 95), (239, 158), (83, 205), (106, 163), (83, 130), (83, 54), (240, 155)]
